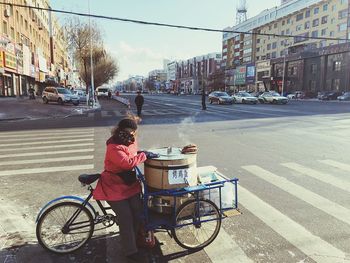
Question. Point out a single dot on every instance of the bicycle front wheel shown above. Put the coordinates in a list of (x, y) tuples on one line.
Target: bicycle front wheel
[(198, 223), (65, 227)]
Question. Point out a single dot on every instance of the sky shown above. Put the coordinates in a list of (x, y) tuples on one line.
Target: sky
[(139, 49)]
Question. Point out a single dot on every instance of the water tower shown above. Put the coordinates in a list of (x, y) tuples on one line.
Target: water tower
[(241, 14)]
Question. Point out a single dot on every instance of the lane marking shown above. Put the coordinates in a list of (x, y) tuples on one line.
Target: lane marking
[(46, 142), (43, 133), (47, 169), (45, 153), (48, 147), (225, 249), (341, 166), (64, 136), (328, 179), (49, 160), (333, 209), (311, 245)]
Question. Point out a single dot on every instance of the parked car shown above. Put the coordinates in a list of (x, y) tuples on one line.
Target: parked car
[(295, 95), (244, 97), (60, 95), (220, 97), (345, 96), (272, 97), (81, 94), (102, 92), (332, 95)]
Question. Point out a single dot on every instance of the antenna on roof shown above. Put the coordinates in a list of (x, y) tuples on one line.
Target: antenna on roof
[(241, 14)]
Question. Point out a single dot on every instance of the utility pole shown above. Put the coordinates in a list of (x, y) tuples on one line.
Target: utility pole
[(204, 106), (92, 88)]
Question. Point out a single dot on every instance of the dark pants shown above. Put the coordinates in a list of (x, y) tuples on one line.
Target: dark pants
[(139, 109), (128, 213)]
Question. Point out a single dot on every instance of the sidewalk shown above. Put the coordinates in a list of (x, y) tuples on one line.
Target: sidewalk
[(23, 108)]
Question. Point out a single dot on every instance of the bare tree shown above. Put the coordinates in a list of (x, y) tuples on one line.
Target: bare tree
[(78, 36)]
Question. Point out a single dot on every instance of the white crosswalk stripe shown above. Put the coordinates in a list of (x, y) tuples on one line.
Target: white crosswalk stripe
[(341, 166), (327, 206), (313, 246), (326, 178)]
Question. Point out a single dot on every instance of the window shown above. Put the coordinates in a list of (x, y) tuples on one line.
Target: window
[(343, 14), (316, 10), (325, 7), (312, 85), (307, 13), (282, 43), (26, 24), (274, 45), (258, 40), (298, 27), (299, 16), (4, 27), (336, 65), (282, 32), (268, 46), (342, 27), (12, 33), (323, 43), (314, 33), (307, 25), (324, 19), (283, 22), (293, 71), (17, 16), (275, 25), (270, 27), (257, 49), (288, 21), (323, 32), (287, 31), (331, 33), (313, 68), (273, 54), (335, 84), (315, 22), (334, 7)]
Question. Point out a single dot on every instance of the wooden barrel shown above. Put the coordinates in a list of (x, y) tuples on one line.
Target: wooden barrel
[(171, 170)]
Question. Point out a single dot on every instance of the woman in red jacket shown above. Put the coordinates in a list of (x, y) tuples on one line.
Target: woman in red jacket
[(121, 189)]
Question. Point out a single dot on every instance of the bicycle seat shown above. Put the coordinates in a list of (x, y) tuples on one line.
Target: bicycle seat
[(88, 178)]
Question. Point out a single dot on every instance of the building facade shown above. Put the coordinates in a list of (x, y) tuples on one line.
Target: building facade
[(303, 19), (32, 48)]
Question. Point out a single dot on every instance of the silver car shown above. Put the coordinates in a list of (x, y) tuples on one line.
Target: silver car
[(60, 95), (244, 97), (81, 94)]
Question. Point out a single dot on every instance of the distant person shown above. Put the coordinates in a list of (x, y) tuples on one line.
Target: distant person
[(109, 94), (139, 100)]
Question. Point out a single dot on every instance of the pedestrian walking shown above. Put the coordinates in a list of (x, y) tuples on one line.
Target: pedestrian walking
[(139, 100)]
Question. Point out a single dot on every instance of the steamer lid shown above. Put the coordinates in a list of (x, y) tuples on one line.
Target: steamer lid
[(175, 154)]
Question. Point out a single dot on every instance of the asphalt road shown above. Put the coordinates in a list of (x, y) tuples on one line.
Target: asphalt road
[(292, 162)]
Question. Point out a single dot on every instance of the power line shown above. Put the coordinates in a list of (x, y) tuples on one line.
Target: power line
[(302, 38)]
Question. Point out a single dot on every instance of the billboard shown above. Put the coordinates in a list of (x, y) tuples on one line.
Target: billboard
[(240, 75), (250, 76)]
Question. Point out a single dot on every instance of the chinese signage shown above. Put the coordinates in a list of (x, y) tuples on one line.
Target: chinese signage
[(1, 59), (10, 61), (26, 61), (179, 176), (240, 75)]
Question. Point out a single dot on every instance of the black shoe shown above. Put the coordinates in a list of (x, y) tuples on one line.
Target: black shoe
[(137, 258)]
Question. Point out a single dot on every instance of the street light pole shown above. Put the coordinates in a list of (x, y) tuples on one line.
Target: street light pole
[(92, 88), (284, 69)]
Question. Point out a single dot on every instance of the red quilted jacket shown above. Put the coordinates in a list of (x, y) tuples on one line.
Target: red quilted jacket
[(111, 187)]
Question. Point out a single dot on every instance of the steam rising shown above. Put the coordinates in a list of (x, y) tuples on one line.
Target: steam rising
[(185, 128)]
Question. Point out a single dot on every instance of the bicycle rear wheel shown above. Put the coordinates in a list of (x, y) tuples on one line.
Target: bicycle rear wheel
[(198, 223), (65, 227)]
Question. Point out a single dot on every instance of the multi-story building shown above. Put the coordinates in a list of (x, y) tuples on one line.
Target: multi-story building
[(191, 73), (30, 42), (298, 20)]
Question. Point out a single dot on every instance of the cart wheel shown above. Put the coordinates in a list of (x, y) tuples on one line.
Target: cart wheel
[(51, 228), (198, 223)]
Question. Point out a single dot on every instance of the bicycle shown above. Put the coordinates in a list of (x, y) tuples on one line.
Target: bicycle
[(67, 223)]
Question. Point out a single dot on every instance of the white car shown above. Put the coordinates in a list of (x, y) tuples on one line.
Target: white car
[(244, 97), (272, 97)]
